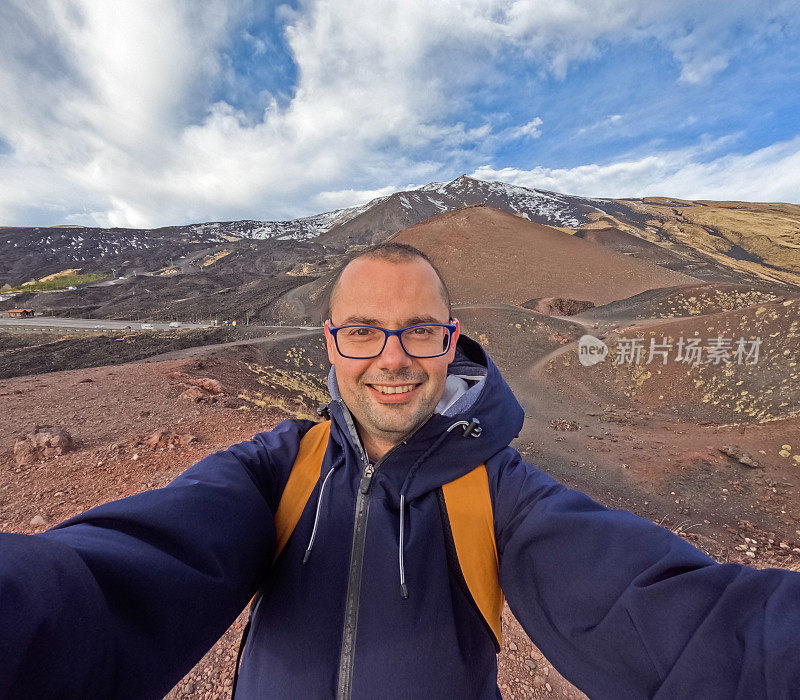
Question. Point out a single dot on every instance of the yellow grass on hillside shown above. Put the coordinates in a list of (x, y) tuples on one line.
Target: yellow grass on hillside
[(769, 231), (55, 275), (217, 256)]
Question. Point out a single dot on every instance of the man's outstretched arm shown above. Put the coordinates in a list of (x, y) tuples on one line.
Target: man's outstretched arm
[(122, 600), (626, 609)]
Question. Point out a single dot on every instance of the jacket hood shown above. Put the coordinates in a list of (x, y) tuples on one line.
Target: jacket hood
[(476, 422)]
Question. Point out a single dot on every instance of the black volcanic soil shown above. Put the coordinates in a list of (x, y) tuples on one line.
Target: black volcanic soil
[(24, 354), (515, 336), (685, 300), (44, 251), (192, 296), (759, 385), (672, 255)]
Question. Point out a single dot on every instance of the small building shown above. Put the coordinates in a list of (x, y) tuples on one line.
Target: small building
[(20, 313)]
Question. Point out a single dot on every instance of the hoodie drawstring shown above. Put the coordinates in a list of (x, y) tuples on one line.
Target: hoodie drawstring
[(471, 429), (316, 517), (403, 587)]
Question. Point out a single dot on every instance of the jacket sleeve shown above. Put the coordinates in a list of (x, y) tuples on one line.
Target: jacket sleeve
[(624, 608), (124, 599)]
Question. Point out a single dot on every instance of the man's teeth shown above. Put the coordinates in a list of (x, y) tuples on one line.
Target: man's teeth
[(393, 389)]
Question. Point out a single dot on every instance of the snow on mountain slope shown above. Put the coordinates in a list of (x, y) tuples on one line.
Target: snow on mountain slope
[(382, 218), (434, 198), (305, 228), (537, 205)]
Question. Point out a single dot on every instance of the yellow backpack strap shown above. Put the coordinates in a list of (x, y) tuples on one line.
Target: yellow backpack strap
[(302, 479), (469, 510)]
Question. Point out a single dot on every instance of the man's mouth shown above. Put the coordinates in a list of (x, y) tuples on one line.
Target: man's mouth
[(387, 389)]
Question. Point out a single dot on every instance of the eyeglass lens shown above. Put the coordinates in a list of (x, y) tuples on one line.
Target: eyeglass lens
[(420, 341)]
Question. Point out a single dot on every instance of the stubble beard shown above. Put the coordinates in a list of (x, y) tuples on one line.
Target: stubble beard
[(393, 422)]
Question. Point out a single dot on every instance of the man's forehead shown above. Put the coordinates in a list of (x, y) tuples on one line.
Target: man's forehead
[(363, 266), (375, 289)]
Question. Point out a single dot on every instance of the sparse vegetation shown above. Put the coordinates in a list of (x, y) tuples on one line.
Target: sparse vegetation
[(53, 283), (743, 390), (292, 406), (215, 257), (297, 392)]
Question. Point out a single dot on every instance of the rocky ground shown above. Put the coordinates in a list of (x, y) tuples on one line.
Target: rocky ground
[(136, 426)]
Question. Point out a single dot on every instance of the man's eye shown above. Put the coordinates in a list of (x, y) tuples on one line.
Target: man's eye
[(423, 330), (361, 332)]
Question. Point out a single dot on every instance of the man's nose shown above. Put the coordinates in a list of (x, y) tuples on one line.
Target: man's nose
[(393, 355)]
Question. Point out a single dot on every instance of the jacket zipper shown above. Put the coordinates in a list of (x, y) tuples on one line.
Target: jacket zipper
[(347, 655)]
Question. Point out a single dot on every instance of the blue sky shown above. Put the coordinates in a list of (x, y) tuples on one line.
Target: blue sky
[(164, 111)]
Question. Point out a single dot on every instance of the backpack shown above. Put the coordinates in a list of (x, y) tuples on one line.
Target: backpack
[(465, 506)]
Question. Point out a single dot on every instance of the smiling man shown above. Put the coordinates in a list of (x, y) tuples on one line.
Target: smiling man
[(391, 384), (380, 543)]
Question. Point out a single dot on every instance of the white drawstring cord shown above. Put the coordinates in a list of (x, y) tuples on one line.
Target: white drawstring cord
[(472, 428), (403, 587), (316, 517)]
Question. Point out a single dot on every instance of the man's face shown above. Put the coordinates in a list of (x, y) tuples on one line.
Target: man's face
[(390, 295)]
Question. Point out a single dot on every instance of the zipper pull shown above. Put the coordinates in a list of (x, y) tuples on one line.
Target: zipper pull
[(366, 480)]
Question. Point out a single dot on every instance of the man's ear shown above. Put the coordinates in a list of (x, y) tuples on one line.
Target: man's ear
[(451, 352), (330, 343)]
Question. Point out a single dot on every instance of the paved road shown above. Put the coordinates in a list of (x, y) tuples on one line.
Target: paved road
[(47, 322), (39, 323)]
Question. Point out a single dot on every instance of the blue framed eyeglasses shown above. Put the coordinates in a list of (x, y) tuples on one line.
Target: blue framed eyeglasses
[(422, 340)]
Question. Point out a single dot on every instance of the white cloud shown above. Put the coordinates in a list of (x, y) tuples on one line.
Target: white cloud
[(610, 122), (702, 40), (341, 199), (107, 106), (529, 130), (94, 95), (768, 174)]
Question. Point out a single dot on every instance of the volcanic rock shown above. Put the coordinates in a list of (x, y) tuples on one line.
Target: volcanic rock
[(194, 394), (740, 456), (45, 441), (212, 386), (167, 438)]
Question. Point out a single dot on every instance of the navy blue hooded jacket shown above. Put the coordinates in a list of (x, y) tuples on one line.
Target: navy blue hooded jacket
[(122, 600)]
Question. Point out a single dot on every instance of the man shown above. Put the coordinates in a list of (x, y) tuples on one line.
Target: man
[(364, 600)]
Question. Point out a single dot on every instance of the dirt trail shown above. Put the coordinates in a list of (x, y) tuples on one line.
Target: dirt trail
[(207, 350), (537, 407)]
